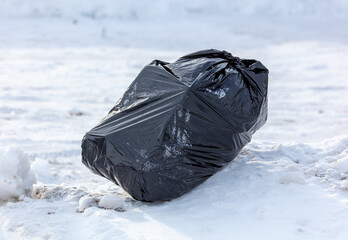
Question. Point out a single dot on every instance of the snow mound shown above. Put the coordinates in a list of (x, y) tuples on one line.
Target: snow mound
[(110, 202), (341, 164), (106, 202), (330, 162), (86, 202), (16, 177)]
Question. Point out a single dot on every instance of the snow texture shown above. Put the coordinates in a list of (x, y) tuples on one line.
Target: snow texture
[(85, 202), (65, 63), (292, 177), (110, 202), (16, 177)]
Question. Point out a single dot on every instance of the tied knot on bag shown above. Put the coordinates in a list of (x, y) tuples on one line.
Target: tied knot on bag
[(235, 61)]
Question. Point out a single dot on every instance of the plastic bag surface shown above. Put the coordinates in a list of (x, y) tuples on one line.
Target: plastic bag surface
[(178, 124)]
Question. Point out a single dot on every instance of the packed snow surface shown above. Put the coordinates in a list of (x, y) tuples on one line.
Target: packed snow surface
[(64, 64), (85, 202), (110, 202)]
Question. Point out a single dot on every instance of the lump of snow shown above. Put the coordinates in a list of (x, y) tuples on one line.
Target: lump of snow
[(85, 202), (16, 177), (292, 177), (110, 202), (341, 165)]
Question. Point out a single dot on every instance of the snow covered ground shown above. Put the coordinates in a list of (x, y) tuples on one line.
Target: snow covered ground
[(63, 66)]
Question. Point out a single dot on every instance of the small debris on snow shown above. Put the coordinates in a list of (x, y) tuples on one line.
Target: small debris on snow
[(57, 191), (111, 202), (16, 177), (76, 113), (292, 177)]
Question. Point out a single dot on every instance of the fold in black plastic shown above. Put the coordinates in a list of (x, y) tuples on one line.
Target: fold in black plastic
[(178, 124)]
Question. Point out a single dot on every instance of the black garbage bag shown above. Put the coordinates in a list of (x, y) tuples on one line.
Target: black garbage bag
[(178, 124)]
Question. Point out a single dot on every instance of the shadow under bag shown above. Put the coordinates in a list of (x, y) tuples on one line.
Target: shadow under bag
[(178, 124)]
